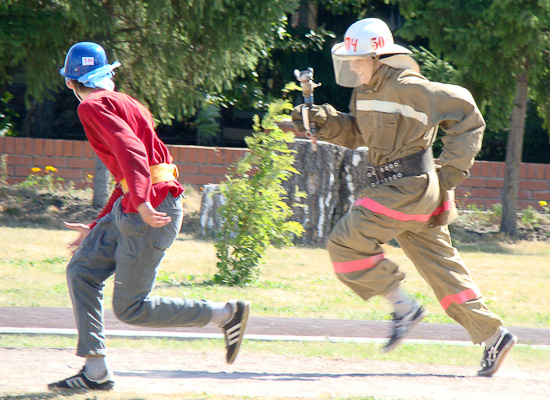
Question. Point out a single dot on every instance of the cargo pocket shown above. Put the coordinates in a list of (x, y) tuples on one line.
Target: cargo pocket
[(163, 239)]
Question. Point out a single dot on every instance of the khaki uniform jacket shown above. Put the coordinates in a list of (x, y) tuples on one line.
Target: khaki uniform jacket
[(397, 114)]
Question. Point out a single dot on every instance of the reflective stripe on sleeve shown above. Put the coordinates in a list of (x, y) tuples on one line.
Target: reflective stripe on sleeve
[(391, 107)]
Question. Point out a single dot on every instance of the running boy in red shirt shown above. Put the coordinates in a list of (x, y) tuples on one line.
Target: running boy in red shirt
[(131, 234)]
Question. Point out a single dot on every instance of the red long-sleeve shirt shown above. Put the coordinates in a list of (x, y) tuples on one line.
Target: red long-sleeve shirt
[(121, 132)]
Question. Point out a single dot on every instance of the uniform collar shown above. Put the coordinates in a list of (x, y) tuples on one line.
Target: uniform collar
[(378, 79)]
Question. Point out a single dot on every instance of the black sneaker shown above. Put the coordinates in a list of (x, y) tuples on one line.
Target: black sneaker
[(81, 381), (234, 329), (494, 356), (403, 325)]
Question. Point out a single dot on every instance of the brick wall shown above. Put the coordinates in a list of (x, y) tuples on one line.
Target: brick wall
[(203, 165), (74, 160)]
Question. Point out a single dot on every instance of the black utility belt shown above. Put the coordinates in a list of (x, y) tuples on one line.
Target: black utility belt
[(411, 165)]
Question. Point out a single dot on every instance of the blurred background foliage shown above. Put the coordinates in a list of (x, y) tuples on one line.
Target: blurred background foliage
[(206, 67)]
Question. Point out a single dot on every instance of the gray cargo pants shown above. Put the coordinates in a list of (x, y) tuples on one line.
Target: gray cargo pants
[(124, 245)]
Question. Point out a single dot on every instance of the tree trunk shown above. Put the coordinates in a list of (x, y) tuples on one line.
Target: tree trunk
[(306, 14), (514, 149), (331, 177), (102, 177)]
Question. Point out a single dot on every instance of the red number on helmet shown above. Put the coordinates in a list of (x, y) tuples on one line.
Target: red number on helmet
[(377, 43), (349, 43)]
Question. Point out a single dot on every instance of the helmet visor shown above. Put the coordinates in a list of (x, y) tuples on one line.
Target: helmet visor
[(343, 73)]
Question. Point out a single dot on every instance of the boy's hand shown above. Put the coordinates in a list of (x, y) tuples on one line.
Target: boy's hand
[(83, 231), (151, 216)]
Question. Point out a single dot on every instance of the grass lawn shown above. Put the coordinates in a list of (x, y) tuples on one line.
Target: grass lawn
[(294, 282)]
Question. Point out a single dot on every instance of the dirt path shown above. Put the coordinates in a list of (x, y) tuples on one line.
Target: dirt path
[(139, 371)]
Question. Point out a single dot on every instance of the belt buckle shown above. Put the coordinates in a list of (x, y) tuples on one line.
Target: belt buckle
[(374, 175)]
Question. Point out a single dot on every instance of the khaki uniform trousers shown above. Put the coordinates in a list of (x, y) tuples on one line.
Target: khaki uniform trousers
[(355, 249)]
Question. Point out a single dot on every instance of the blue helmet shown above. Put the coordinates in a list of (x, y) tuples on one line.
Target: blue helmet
[(87, 63)]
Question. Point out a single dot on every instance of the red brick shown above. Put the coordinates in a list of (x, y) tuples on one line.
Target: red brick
[(201, 155), (531, 171), (78, 148), (213, 170), (189, 169), (525, 194), (58, 150), (173, 151), (19, 146), (83, 163), (476, 168), (20, 170), (58, 162), (2, 141), (485, 168), (87, 148), (522, 204), (29, 146), (542, 195), (68, 146), (216, 156), (540, 171), (39, 147), (494, 183), (185, 154), (547, 172), (533, 185), (69, 173), (48, 147), (473, 182), (9, 145), (524, 171), (15, 159), (461, 192), (485, 193), (497, 170)]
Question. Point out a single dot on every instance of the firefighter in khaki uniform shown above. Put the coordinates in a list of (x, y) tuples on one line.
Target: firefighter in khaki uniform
[(395, 112)]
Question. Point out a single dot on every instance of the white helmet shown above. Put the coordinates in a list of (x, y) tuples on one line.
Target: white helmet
[(369, 37)]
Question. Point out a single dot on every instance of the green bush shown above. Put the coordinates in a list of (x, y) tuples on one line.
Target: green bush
[(255, 213)]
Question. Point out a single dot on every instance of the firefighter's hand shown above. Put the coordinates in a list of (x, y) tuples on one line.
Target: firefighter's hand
[(451, 177), (446, 212), (318, 115)]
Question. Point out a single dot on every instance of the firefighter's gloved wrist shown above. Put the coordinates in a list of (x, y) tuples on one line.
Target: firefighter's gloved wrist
[(297, 119), (317, 115), (451, 177)]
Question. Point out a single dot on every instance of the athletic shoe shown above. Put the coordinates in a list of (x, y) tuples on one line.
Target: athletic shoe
[(494, 356), (81, 381), (403, 325), (234, 329)]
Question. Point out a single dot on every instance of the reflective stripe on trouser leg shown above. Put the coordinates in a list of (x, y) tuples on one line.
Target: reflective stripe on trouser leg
[(358, 258), (441, 266)]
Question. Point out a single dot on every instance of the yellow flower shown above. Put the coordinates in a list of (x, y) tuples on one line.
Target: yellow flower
[(49, 168), (90, 176), (543, 203), (36, 169)]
